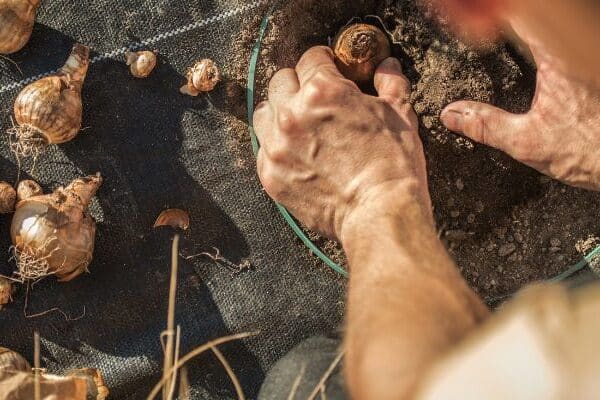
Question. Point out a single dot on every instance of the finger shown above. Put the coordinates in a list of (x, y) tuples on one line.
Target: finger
[(486, 124), (318, 58), (283, 85), (263, 121), (260, 162), (390, 83)]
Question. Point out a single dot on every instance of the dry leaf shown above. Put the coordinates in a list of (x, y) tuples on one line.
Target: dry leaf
[(173, 217), (21, 385)]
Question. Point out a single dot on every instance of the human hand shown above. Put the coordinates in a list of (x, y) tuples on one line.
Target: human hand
[(559, 136), (332, 154)]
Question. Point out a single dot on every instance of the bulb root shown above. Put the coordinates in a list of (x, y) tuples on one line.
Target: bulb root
[(26, 141)]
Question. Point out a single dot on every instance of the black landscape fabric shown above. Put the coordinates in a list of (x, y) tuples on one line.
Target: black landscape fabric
[(158, 149)]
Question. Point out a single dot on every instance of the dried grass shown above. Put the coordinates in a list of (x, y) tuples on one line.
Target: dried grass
[(232, 376), (172, 363), (320, 388), (194, 353), (296, 383), (36, 365)]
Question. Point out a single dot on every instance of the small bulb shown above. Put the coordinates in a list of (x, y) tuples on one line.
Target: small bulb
[(7, 198), (202, 77), (6, 291), (141, 63)]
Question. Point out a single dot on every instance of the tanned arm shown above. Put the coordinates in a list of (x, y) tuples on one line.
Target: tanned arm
[(352, 166), (407, 302)]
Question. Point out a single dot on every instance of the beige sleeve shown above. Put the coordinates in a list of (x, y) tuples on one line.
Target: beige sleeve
[(543, 345)]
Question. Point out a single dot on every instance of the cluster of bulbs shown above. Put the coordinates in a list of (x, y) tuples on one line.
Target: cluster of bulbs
[(53, 234)]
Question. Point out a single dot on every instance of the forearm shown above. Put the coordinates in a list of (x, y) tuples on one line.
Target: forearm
[(407, 301)]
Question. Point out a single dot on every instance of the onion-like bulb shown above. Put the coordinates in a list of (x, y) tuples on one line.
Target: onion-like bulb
[(141, 63), (54, 234), (16, 23), (201, 77), (359, 49), (49, 110), (7, 198), (12, 361)]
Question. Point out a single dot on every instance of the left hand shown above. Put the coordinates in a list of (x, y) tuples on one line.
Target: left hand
[(332, 154), (559, 136)]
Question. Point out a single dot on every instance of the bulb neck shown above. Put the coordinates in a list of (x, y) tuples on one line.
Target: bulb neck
[(76, 65), (81, 190)]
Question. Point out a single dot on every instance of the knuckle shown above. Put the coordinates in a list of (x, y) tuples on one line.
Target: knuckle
[(476, 127), (279, 155), (321, 88), (283, 73), (260, 113), (271, 184), (313, 92), (286, 121), (279, 78)]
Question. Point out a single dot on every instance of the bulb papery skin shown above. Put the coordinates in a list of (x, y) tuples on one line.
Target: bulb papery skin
[(54, 234), (12, 361), (17, 18), (141, 63), (358, 50), (50, 109), (202, 77), (7, 198)]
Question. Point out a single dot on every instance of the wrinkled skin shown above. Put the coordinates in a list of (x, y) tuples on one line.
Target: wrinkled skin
[(329, 150)]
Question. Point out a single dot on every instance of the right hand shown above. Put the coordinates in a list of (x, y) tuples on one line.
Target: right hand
[(336, 157), (559, 136)]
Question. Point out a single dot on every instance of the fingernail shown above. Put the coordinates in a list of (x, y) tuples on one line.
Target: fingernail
[(452, 119)]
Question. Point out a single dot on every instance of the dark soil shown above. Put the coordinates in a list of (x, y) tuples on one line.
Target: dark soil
[(505, 224)]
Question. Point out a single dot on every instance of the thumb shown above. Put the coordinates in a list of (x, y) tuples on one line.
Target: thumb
[(485, 124)]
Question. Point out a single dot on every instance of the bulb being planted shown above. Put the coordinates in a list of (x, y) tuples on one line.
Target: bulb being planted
[(359, 49), (16, 23), (49, 111), (54, 234)]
